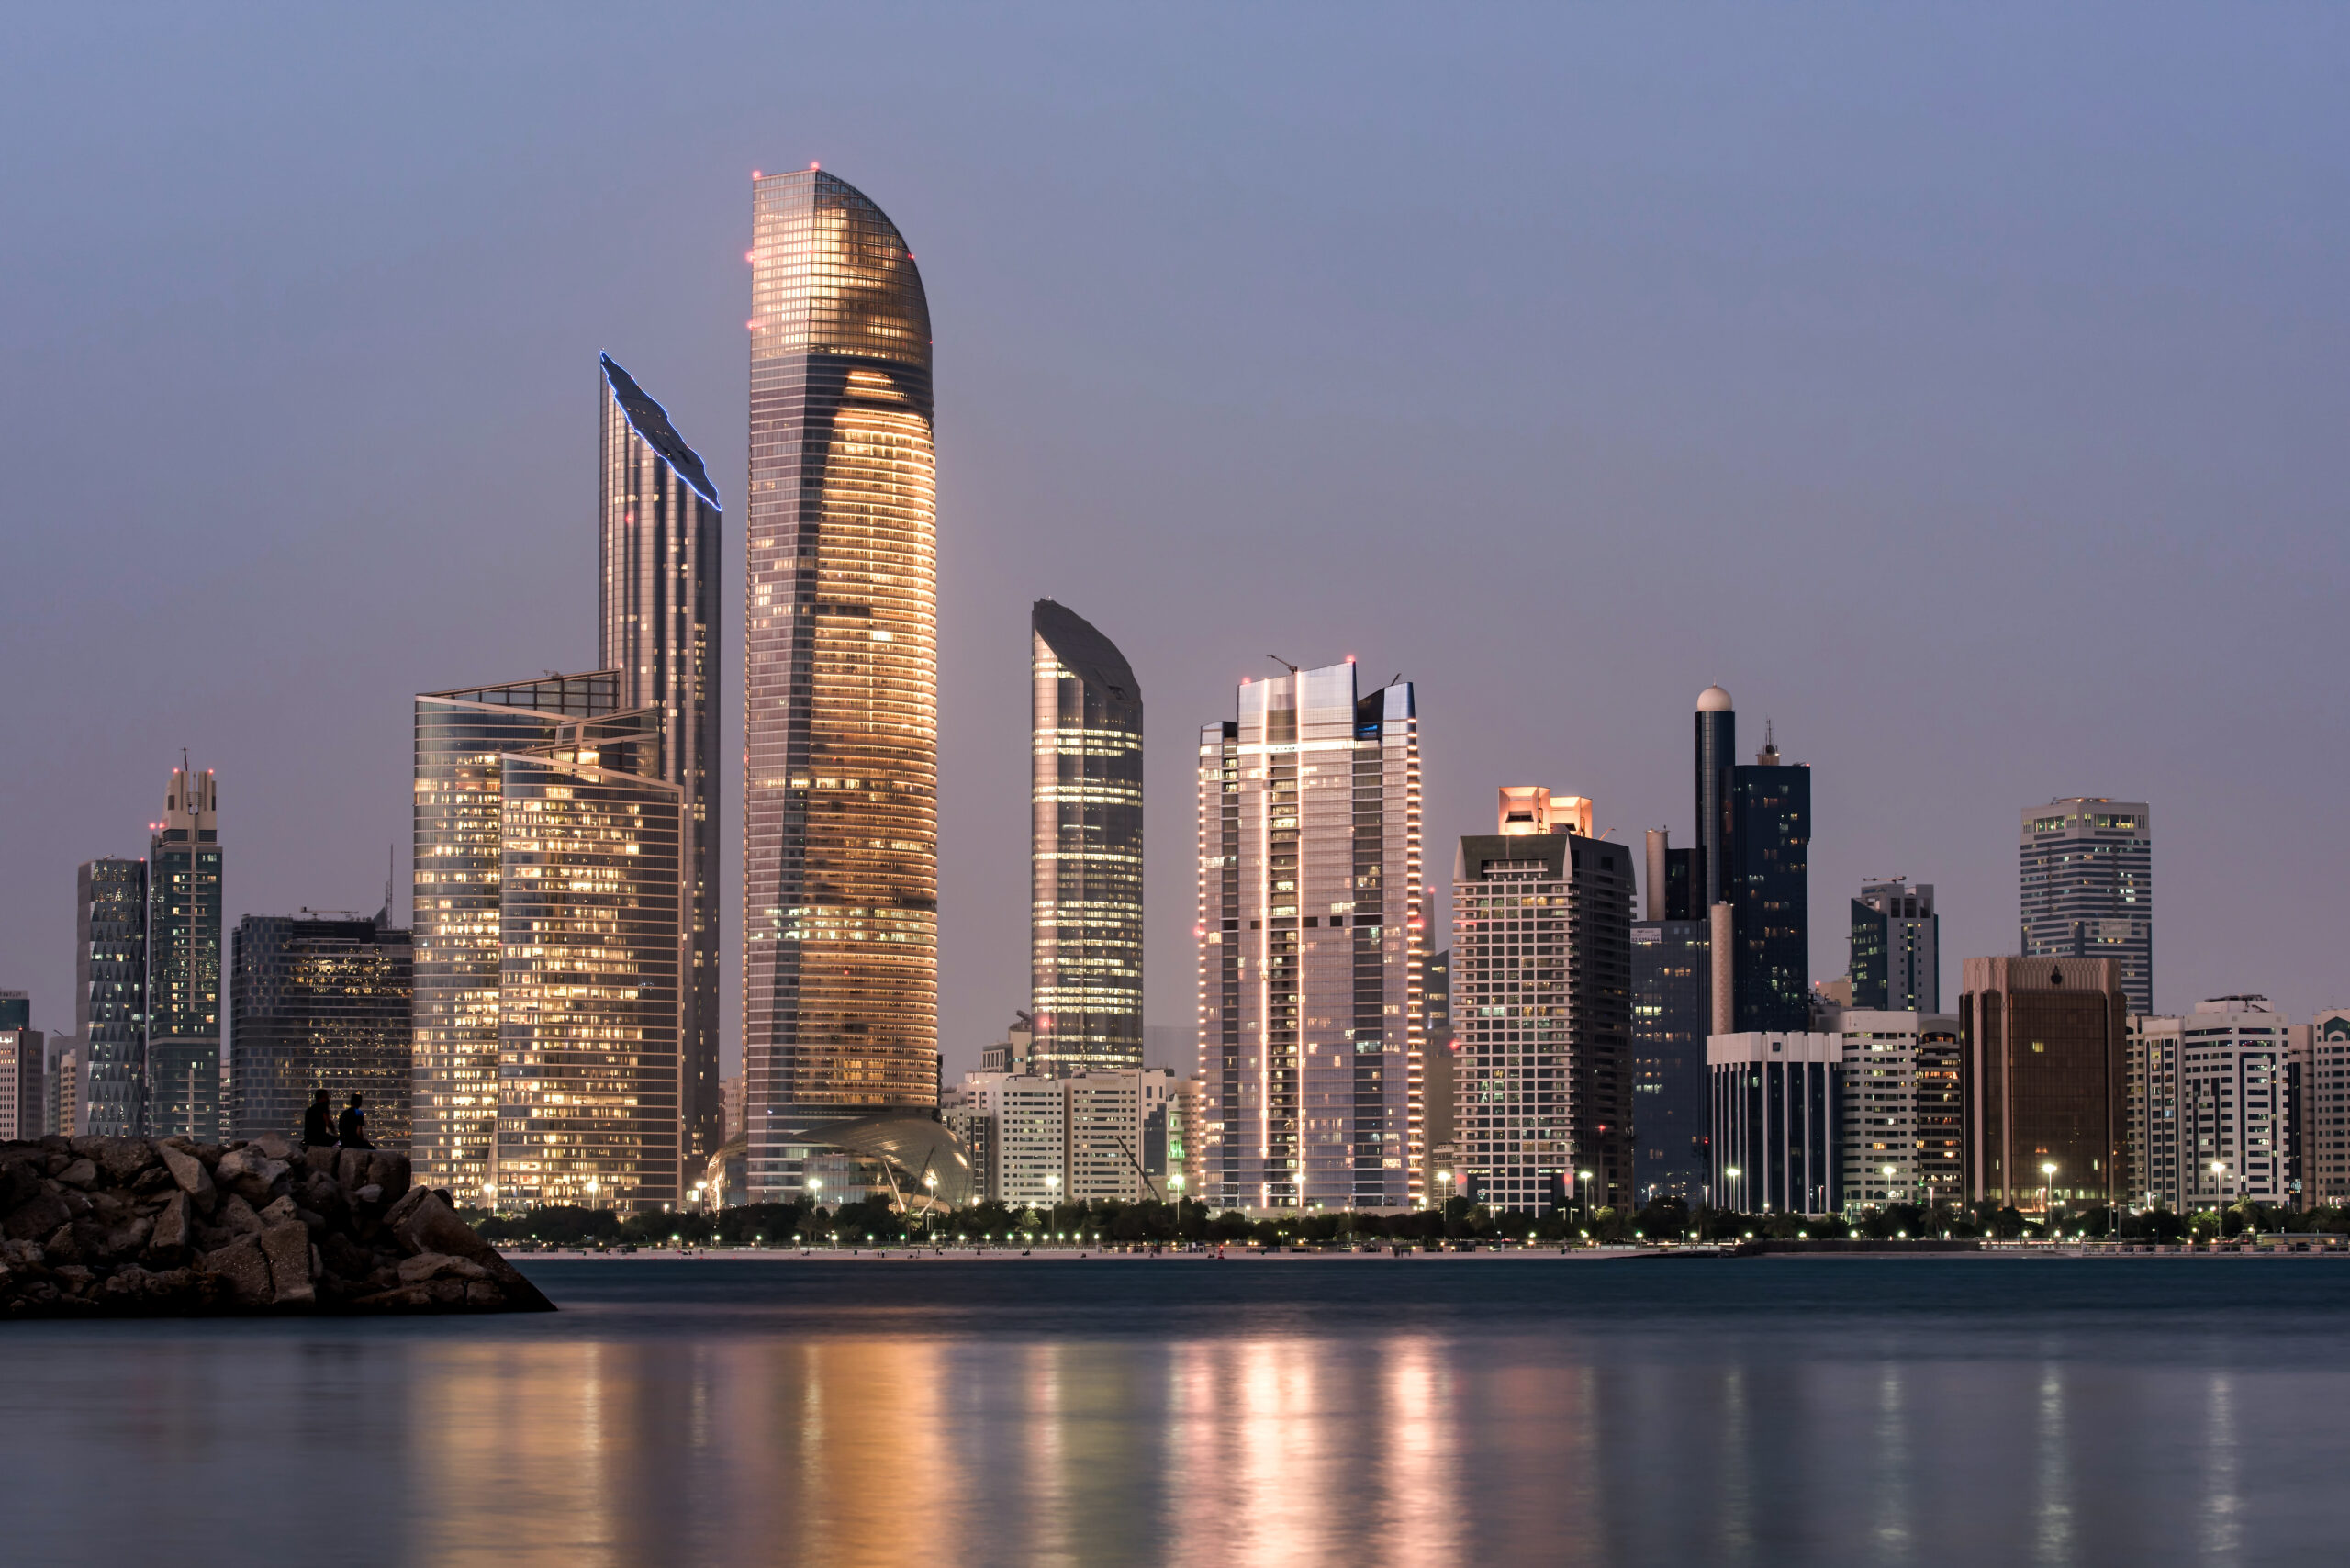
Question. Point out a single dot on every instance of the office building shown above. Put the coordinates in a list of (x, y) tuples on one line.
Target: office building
[(1672, 980), (1753, 860), (1768, 890), (840, 969), (2046, 1048), (659, 624), (1900, 1122), (1310, 945), (1035, 1140), (1542, 916), (63, 1113), (1897, 948), (550, 944), (23, 1063), (1777, 1115), (2210, 1108), (2322, 1057), (1440, 1082), (2087, 881), (110, 992), (1016, 1051), (320, 1001), (1085, 847), (182, 1093)]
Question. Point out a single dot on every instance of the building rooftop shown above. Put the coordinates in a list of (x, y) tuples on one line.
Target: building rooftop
[(649, 420)]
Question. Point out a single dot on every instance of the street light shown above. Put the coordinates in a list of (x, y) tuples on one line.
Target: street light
[(1582, 1178), (2048, 1200)]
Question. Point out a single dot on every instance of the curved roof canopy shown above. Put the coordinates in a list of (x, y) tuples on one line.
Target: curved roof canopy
[(649, 420), (1083, 651)]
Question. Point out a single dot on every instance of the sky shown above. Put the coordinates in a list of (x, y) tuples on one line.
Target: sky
[(1962, 388)]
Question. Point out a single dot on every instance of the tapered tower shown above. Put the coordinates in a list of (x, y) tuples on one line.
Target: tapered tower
[(840, 968), (659, 633)]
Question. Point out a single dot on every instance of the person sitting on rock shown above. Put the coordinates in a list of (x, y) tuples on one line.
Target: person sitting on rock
[(317, 1123), (352, 1125)]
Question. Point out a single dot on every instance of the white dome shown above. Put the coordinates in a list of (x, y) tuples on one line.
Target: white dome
[(1713, 699)]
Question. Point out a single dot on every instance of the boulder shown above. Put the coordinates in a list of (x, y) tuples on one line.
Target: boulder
[(186, 1170), (244, 1269), (288, 1248), (123, 1157), (424, 1223), (81, 1173), (37, 1217), (172, 1226), (238, 1216)]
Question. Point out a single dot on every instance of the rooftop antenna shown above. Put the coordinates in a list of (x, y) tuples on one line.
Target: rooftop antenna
[(1282, 662)]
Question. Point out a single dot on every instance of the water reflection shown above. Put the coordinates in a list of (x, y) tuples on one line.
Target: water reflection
[(726, 1441)]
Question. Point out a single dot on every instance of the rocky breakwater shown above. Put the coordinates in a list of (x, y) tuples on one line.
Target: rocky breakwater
[(93, 1226)]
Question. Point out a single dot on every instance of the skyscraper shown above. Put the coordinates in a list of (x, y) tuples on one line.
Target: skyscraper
[(2087, 881), (184, 1002), (319, 1003), (659, 633), (1085, 847), (1897, 948), (1541, 918), (840, 968), (1768, 887), (1672, 1013), (1310, 945), (110, 992), (550, 940)]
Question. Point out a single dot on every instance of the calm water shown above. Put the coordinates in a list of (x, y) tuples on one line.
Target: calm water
[(1288, 1412)]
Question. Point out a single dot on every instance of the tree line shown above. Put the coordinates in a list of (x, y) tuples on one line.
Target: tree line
[(875, 1223)]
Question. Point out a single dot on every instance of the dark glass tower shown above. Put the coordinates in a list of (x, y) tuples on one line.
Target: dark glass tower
[(110, 990), (659, 631), (319, 1004), (1672, 1007), (1085, 847), (840, 969), (1897, 948), (1769, 891), (1716, 753), (183, 1058)]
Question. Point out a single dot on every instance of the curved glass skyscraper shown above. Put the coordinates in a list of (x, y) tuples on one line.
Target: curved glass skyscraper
[(840, 970), (1085, 848), (659, 617)]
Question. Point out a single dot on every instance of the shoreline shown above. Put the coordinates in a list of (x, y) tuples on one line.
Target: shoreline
[(1514, 1254)]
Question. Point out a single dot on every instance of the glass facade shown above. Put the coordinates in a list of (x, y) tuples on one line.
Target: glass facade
[(461, 740), (1310, 946), (1085, 854), (110, 990), (1671, 1011), (319, 1004), (840, 970), (183, 1058), (1769, 891), (659, 620), (593, 949), (1897, 948), (2086, 874)]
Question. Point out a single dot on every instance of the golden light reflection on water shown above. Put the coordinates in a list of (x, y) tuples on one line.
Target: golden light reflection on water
[(1283, 1451), (884, 1451)]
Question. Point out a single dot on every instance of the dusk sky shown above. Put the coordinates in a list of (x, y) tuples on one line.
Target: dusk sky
[(1964, 389)]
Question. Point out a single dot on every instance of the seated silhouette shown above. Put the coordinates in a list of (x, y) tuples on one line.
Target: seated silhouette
[(352, 1126)]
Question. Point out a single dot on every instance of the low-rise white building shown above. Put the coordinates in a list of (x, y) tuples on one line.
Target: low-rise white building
[(1087, 1138), (1901, 1123), (2210, 1106)]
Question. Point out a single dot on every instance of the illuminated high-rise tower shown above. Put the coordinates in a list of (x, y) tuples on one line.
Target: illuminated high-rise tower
[(183, 1058), (1085, 848), (659, 633), (840, 968), (1310, 945)]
